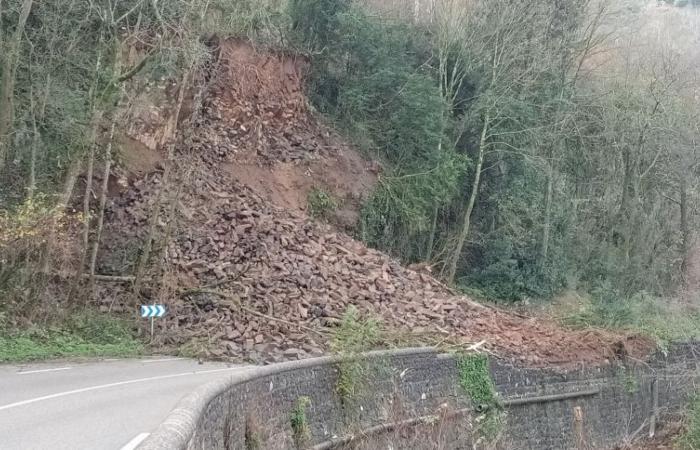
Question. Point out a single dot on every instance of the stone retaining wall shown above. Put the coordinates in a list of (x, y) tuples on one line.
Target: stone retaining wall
[(412, 399)]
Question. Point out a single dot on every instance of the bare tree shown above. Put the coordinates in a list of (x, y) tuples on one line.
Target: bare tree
[(7, 86), (165, 183), (500, 58)]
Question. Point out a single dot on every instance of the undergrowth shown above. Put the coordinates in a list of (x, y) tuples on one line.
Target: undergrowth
[(665, 321), (353, 337), (300, 423), (690, 438), (194, 348), (321, 204), (629, 381), (86, 334), (475, 380)]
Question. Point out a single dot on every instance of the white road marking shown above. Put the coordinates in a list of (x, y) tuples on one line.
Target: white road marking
[(43, 370), (105, 386), (148, 361), (132, 444)]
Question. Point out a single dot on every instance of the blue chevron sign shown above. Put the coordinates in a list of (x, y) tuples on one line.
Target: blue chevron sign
[(152, 311)]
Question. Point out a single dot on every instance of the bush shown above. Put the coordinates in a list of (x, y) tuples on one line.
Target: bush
[(690, 438), (32, 237), (316, 23), (321, 204), (398, 216), (371, 79), (510, 272)]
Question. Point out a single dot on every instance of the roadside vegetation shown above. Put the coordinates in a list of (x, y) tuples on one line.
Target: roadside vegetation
[(83, 335), (475, 380), (353, 337), (665, 322), (518, 166), (689, 439)]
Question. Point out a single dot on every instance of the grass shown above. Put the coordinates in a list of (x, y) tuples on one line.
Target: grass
[(353, 337), (194, 348), (299, 422), (321, 204), (664, 320), (87, 335), (690, 438)]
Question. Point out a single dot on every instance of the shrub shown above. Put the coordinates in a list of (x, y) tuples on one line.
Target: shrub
[(321, 204), (690, 439), (353, 337), (32, 235), (301, 432)]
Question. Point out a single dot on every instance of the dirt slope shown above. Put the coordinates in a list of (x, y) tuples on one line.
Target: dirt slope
[(276, 147), (250, 276)]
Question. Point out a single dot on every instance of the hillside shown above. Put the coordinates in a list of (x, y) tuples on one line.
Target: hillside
[(252, 276), (262, 168)]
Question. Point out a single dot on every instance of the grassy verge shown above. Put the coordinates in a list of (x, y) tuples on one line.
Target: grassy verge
[(664, 320), (88, 335), (690, 437)]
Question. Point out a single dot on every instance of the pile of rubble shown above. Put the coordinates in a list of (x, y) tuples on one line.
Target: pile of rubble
[(255, 282), (249, 280)]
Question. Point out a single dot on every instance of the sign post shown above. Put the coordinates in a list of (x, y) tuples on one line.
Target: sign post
[(151, 312)]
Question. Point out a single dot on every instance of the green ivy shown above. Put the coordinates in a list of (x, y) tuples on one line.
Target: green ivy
[(475, 380)]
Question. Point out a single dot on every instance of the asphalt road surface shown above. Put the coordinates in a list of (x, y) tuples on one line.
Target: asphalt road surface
[(109, 404)]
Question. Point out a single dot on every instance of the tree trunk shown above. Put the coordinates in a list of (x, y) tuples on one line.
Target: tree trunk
[(31, 188), (685, 228), (2, 41), (69, 183), (88, 185), (544, 251), (7, 86), (451, 269), (431, 238), (625, 212), (103, 202), (74, 167), (86, 203), (145, 256)]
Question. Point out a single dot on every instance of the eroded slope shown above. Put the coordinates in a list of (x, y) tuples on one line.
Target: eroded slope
[(249, 275)]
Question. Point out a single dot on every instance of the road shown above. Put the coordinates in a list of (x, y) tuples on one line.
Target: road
[(109, 404)]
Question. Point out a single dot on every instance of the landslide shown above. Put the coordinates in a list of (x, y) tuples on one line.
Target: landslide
[(248, 275)]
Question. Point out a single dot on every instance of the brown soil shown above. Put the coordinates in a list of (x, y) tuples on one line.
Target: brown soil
[(250, 276), (280, 150)]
